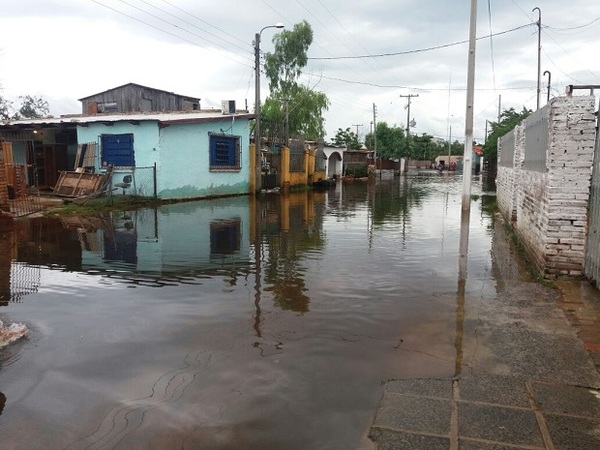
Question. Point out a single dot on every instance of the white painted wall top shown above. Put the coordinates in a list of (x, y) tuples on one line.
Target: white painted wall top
[(166, 118)]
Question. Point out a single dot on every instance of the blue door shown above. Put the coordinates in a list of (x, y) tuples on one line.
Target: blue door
[(117, 149)]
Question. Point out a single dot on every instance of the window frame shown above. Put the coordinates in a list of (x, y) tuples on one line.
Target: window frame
[(103, 159), (233, 161)]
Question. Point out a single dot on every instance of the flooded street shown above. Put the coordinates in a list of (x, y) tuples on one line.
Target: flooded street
[(235, 324)]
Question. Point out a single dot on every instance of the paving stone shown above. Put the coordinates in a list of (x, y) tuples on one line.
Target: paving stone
[(478, 445), (566, 399), (501, 390), (416, 414), (573, 433), (499, 424), (426, 387), (396, 440)]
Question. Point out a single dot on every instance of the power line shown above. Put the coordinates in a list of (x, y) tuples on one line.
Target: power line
[(389, 86), (597, 19), (167, 32), (175, 25), (188, 23), (419, 50), (205, 22)]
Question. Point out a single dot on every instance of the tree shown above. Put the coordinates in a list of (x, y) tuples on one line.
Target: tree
[(390, 141), (301, 105), (32, 107), (5, 108), (348, 138), (283, 67), (508, 120)]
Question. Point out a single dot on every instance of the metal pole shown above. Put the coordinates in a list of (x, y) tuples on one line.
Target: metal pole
[(468, 152), (549, 84), (539, 66), (257, 139)]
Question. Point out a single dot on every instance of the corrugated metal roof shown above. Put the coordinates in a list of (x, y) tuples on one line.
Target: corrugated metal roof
[(161, 117)]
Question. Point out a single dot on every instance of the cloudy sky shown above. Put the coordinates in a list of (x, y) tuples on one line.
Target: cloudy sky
[(363, 53)]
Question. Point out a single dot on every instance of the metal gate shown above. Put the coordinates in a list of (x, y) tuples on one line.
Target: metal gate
[(592, 256)]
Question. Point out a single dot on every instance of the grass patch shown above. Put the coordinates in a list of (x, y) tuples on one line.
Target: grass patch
[(103, 204)]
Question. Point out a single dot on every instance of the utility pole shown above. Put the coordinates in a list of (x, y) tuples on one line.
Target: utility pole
[(499, 107), (287, 123), (468, 152), (375, 136), (409, 96), (539, 66), (357, 125), (449, 149)]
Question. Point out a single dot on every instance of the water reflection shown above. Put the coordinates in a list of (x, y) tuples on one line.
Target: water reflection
[(280, 313), (463, 252)]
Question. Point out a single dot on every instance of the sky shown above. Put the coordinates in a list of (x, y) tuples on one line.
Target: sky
[(363, 53)]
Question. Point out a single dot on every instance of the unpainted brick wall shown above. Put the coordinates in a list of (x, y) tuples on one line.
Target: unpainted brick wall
[(549, 209)]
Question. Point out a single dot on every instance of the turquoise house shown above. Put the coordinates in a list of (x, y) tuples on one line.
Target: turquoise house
[(180, 155), (170, 155)]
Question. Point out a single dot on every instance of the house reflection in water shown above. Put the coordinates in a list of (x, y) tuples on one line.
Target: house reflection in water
[(173, 242), (27, 245), (178, 243)]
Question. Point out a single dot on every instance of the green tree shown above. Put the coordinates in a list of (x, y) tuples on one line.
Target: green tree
[(5, 108), (508, 120), (348, 138), (301, 105), (33, 107), (283, 67), (390, 141)]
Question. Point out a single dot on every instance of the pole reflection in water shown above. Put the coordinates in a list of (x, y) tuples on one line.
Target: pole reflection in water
[(462, 281)]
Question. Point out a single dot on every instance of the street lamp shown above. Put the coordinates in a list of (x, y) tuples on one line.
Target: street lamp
[(257, 140)]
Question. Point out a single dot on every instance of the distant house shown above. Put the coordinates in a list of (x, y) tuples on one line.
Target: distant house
[(134, 97), (335, 160)]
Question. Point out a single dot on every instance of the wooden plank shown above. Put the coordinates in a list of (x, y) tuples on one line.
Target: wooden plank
[(78, 155), (77, 184), (89, 157)]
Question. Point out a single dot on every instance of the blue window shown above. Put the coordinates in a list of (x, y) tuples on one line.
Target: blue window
[(117, 150), (224, 152)]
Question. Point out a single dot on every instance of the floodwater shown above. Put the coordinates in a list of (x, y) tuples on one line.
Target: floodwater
[(235, 324)]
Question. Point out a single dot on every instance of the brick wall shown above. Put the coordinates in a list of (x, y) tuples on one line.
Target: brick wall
[(548, 209)]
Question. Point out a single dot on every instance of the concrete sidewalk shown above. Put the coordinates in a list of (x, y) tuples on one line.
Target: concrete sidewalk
[(486, 412), (527, 360)]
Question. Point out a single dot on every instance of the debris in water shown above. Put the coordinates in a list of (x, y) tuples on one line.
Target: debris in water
[(11, 333)]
